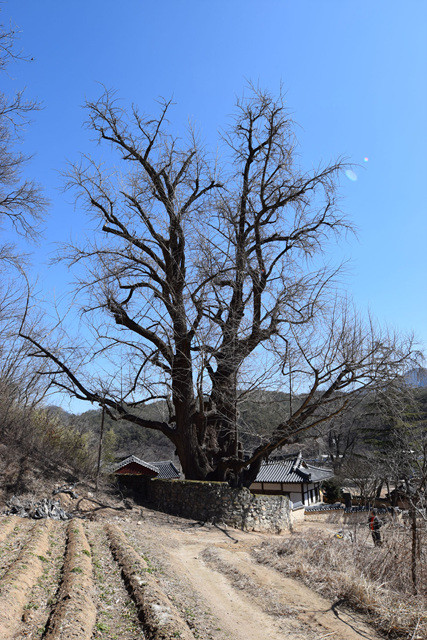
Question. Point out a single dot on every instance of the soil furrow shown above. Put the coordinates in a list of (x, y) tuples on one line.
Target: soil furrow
[(160, 618), (16, 536), (75, 613), (6, 526), (38, 609), (20, 578), (117, 617)]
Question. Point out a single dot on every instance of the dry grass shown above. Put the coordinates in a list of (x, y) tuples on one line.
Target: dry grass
[(376, 581)]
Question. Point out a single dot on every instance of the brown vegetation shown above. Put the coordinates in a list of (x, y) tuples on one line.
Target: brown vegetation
[(374, 580)]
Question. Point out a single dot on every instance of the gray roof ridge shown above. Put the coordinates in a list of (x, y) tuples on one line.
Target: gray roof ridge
[(306, 475), (298, 461), (133, 458), (170, 462), (313, 466)]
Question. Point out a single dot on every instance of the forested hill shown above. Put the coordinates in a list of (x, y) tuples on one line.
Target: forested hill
[(259, 415)]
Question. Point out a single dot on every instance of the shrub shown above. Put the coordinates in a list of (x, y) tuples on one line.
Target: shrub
[(332, 490)]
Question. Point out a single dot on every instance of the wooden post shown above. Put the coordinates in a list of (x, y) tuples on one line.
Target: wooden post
[(101, 435), (413, 516)]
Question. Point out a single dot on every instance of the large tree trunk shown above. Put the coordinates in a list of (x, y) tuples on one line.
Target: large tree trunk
[(222, 439), (189, 449), (208, 446), (191, 455)]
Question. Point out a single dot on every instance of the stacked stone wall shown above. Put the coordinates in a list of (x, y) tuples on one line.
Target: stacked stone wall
[(217, 502)]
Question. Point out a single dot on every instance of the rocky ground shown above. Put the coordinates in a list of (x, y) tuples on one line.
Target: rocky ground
[(128, 574)]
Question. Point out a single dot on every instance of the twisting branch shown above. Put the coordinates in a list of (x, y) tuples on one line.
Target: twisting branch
[(199, 271)]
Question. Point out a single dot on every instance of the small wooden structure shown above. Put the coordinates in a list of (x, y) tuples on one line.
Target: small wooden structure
[(133, 466), (134, 473)]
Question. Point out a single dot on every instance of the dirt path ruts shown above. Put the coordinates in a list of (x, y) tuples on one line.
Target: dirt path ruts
[(234, 612), (314, 611), (273, 607)]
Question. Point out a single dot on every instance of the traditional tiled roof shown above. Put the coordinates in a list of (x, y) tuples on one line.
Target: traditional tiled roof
[(166, 469), (317, 474), (291, 470), (278, 471), (129, 459)]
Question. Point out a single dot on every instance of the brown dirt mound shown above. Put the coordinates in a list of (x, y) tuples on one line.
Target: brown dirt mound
[(18, 581), (160, 618), (75, 613), (6, 526)]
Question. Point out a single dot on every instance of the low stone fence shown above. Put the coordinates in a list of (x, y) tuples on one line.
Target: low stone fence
[(337, 514), (330, 515), (217, 502), (297, 515)]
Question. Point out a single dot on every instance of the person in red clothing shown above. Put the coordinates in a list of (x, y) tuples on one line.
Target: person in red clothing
[(375, 524)]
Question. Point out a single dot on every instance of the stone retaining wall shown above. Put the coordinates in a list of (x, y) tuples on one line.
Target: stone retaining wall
[(217, 502)]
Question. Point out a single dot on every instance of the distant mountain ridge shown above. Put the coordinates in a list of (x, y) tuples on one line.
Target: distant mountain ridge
[(417, 378)]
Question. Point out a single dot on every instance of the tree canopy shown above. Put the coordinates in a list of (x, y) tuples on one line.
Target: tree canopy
[(204, 279)]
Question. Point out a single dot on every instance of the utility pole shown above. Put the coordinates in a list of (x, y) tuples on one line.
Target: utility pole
[(101, 435)]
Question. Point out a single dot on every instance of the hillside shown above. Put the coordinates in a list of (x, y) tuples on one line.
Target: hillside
[(258, 416)]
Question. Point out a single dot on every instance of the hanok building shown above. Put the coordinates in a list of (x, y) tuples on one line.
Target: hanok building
[(294, 478), (133, 472)]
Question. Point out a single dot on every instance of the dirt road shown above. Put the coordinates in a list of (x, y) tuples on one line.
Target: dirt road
[(101, 579), (226, 595)]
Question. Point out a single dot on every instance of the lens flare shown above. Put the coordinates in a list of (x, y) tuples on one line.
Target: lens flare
[(365, 159), (351, 175)]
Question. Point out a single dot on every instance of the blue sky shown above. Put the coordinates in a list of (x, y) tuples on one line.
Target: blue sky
[(355, 78)]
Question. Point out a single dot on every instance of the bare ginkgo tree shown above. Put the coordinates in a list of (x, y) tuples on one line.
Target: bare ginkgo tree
[(204, 271)]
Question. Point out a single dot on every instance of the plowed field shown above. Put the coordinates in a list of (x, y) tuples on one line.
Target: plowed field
[(148, 575)]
